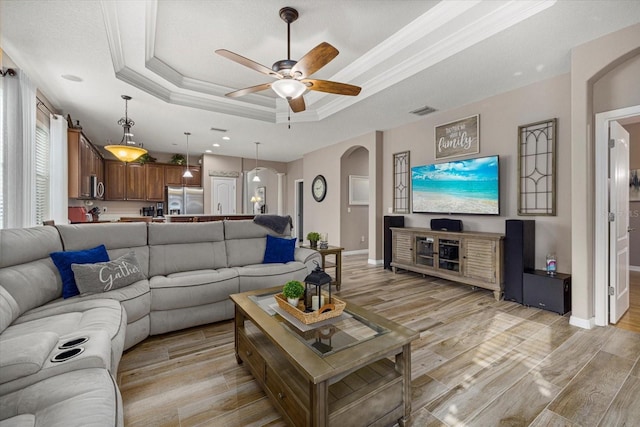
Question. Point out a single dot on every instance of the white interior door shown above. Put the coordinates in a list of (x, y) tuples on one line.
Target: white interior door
[(619, 228), (223, 199)]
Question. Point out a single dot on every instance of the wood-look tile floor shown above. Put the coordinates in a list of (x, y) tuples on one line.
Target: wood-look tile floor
[(478, 362)]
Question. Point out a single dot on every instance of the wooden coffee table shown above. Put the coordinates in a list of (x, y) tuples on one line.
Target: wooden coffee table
[(350, 371)]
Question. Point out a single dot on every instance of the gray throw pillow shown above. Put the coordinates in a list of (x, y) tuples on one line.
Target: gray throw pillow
[(107, 276)]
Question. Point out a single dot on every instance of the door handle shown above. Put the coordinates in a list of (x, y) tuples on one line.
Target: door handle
[(630, 229)]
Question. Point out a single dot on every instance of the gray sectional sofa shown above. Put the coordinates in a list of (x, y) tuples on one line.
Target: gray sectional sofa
[(190, 269)]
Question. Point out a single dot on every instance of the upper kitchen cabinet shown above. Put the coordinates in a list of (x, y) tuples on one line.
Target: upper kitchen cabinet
[(173, 176), (125, 181), (85, 162), (155, 178)]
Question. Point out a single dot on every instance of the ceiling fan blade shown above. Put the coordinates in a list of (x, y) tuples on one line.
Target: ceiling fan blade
[(315, 59), (248, 63), (332, 87), (248, 90), (297, 104)]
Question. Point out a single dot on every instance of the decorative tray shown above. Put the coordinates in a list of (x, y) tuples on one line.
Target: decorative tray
[(327, 311)]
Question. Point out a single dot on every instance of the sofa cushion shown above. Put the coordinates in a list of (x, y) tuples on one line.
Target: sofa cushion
[(28, 278), (106, 276), (84, 315), (279, 250), (192, 288), (118, 237), (177, 247), (94, 353), (260, 276), (63, 261), (87, 397), (25, 354), (246, 242)]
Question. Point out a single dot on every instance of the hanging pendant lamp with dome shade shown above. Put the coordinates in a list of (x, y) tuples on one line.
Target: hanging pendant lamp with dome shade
[(256, 178), (187, 173), (128, 150)]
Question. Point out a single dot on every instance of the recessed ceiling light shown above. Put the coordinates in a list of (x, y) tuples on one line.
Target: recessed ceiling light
[(216, 145), (71, 78), (207, 151), (226, 138), (517, 73)]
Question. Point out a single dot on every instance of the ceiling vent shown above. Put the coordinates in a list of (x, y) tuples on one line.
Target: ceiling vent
[(218, 130), (423, 111)]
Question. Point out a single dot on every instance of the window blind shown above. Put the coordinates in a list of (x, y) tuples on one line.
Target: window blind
[(42, 173)]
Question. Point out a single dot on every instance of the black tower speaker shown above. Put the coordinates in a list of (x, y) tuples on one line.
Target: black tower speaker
[(390, 221), (519, 255)]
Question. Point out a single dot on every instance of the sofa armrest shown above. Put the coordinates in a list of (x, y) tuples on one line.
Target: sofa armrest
[(308, 256)]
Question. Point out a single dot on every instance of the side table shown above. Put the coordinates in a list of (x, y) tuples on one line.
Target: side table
[(336, 251)]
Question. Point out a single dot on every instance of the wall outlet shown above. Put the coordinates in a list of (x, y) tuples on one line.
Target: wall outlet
[(349, 210), (390, 210), (362, 239)]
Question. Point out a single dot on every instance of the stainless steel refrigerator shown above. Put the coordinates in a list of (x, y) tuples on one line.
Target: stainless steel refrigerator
[(184, 200)]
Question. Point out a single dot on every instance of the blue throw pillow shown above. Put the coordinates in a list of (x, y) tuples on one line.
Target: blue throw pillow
[(279, 250), (63, 261)]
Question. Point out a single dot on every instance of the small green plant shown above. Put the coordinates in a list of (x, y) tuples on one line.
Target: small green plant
[(313, 236), (178, 159), (293, 289)]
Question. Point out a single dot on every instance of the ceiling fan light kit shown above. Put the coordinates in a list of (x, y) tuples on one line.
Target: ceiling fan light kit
[(293, 75), (288, 88), (128, 150)]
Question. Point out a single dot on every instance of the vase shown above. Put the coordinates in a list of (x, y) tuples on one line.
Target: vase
[(293, 301), (313, 243)]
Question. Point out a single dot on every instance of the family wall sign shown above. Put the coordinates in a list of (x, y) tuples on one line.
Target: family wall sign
[(458, 138)]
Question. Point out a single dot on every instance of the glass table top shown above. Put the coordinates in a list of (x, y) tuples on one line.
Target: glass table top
[(328, 336)]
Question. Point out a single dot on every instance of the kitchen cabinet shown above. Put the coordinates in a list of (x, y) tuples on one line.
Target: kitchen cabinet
[(144, 182), (173, 176), (84, 161), (114, 188), (154, 174), (135, 182), (125, 181), (473, 258)]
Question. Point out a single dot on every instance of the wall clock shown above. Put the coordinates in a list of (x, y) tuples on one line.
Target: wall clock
[(319, 188)]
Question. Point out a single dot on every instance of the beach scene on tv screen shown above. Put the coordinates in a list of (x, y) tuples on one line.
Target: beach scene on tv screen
[(463, 186)]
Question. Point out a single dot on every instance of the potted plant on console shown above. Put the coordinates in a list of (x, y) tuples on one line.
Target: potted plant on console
[(313, 238), (293, 291)]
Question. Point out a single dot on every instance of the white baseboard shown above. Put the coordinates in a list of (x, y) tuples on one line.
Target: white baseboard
[(356, 252), (589, 323), (634, 268), (375, 261)]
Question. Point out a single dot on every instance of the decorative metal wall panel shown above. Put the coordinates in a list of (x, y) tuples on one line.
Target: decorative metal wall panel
[(401, 183), (537, 168)]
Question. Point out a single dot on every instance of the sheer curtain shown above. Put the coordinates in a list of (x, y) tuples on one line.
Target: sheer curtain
[(18, 142), (59, 194)]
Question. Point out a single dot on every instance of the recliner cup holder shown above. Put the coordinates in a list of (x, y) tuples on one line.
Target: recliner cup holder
[(67, 354), (72, 343)]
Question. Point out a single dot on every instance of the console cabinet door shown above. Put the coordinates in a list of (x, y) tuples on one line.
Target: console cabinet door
[(402, 248), (480, 259)]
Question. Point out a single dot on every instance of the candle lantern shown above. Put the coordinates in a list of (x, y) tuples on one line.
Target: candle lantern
[(313, 288)]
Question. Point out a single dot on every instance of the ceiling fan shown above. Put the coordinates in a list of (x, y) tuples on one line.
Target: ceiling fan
[(293, 76)]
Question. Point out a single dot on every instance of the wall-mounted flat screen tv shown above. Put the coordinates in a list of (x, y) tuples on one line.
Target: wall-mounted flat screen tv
[(469, 186)]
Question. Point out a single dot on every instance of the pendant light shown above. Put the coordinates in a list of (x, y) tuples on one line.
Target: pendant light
[(256, 178), (127, 151), (187, 173)]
